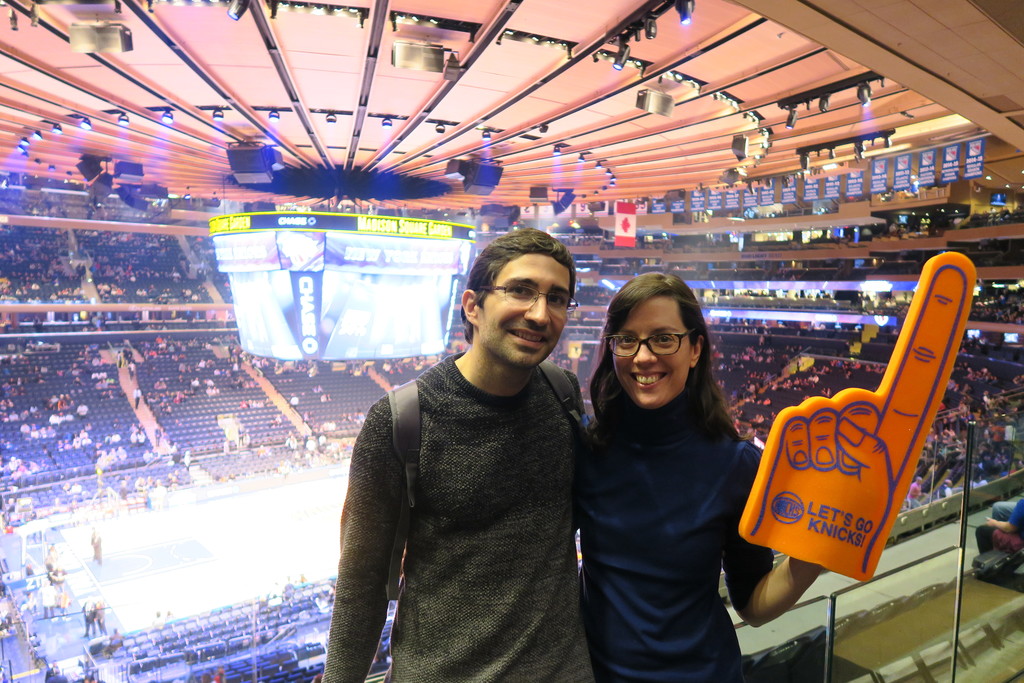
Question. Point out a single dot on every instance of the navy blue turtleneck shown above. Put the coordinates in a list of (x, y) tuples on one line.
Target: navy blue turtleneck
[(658, 516)]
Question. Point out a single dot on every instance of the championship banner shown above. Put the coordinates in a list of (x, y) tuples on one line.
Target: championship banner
[(657, 206), (697, 200), (749, 199), (625, 224), (974, 159), (832, 188), (835, 470), (879, 176), (789, 192), (678, 206), (732, 199), (901, 172), (926, 168), (766, 194), (714, 200), (855, 184), (812, 190), (951, 163)]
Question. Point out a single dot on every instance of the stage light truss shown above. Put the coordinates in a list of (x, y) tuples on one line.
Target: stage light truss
[(440, 23), (726, 98), (857, 140), (680, 77), (824, 93), (536, 39), (361, 14)]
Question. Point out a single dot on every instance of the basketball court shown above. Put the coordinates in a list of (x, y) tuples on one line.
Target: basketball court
[(192, 558)]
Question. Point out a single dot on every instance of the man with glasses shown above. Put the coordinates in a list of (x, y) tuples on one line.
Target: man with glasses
[(490, 576)]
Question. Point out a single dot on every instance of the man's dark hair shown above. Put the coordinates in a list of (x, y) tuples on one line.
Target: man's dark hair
[(506, 249)]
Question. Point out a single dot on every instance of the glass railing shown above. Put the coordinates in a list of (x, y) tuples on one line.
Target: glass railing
[(929, 614)]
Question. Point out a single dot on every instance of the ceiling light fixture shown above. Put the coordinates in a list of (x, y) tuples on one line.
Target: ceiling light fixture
[(558, 148), (14, 20), (387, 122), (485, 134), (858, 151), (685, 9), (864, 94), (791, 118), (823, 103), (331, 118), (167, 117), (37, 135), (24, 152), (274, 115), (24, 143), (623, 54), (122, 120), (237, 8), (439, 128), (56, 129), (651, 27), (218, 114), (85, 123), (600, 164)]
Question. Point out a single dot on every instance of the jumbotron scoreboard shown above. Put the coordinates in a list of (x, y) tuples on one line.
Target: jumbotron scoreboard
[(342, 286)]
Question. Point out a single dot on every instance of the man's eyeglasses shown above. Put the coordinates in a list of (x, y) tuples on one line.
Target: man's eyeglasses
[(664, 344), (525, 296)]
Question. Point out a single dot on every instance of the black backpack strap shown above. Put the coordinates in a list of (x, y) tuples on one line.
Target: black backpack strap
[(566, 394), (405, 435)]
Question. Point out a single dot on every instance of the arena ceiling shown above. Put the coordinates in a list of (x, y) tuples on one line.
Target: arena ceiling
[(317, 81)]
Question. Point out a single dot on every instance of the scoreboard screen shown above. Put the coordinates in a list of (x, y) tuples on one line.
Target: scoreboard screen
[(342, 286)]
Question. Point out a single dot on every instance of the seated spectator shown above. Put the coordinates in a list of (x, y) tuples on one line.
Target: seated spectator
[(114, 643), (1006, 536)]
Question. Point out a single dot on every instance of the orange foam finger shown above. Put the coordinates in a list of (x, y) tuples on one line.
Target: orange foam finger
[(838, 511)]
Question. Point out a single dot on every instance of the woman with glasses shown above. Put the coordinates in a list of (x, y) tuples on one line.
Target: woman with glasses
[(659, 500)]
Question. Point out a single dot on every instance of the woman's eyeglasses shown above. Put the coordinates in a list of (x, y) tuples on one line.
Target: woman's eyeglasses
[(663, 344)]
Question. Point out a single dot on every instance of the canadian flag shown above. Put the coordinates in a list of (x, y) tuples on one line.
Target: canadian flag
[(625, 224)]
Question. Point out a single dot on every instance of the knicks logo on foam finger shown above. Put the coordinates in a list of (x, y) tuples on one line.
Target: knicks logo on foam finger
[(834, 471), (787, 508)]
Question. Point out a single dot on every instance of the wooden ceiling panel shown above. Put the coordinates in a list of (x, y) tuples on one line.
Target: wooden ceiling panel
[(950, 53)]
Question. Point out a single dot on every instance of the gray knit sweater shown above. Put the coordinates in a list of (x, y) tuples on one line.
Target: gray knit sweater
[(490, 572)]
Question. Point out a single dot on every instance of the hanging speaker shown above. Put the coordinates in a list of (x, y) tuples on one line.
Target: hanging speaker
[(417, 56), (563, 202), (739, 147), (481, 178), (253, 164), (90, 166), (654, 102), (128, 171), (101, 37)]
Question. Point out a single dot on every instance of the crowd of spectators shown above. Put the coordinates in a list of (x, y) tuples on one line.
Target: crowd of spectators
[(129, 267), (34, 266)]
